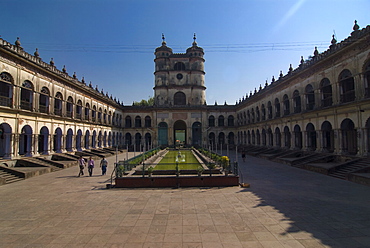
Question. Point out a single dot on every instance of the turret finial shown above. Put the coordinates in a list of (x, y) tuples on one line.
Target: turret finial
[(36, 53), (194, 38), (18, 42), (163, 40), (356, 26)]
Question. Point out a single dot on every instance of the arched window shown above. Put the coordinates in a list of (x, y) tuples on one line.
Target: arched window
[(212, 140), (349, 137), (248, 117), (270, 137), (327, 136), (179, 66), (278, 137), (311, 137), (100, 115), (297, 137), (221, 121), (310, 97), (277, 108), (263, 112), (128, 139), (287, 137), (69, 107), (367, 80), (297, 102), (326, 93), (253, 116), (221, 139), (286, 105), (264, 137), (258, 137), (58, 107), (258, 114), (347, 86), (79, 109), (44, 100), (211, 121), (137, 121), (148, 121), (269, 110), (93, 114), (87, 112), (6, 89), (27, 95), (230, 121), (179, 98), (128, 123), (105, 117)]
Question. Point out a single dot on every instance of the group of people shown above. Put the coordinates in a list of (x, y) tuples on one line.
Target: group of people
[(90, 166)]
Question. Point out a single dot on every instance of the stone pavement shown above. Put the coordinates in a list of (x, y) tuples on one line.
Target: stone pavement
[(284, 207)]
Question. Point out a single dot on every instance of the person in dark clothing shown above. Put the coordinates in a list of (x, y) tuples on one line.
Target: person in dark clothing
[(103, 165), (90, 166), (243, 156)]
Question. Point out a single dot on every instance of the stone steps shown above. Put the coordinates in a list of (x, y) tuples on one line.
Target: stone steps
[(350, 168), (36, 161), (9, 177)]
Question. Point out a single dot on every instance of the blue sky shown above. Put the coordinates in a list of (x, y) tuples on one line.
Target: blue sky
[(111, 42)]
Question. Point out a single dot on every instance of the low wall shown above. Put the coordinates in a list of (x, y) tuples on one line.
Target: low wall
[(360, 178), (166, 182)]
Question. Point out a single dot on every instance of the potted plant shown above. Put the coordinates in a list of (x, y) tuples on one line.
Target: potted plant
[(211, 166), (150, 171), (200, 170), (225, 164)]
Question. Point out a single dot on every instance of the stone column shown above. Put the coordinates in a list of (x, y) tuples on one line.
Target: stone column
[(15, 145), (63, 143), (338, 140), (360, 142), (366, 135), (34, 144), (305, 141), (319, 141)]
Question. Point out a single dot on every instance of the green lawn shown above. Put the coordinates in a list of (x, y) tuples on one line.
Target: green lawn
[(186, 161)]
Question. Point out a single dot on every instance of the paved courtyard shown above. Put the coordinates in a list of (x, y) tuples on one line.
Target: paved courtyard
[(284, 207)]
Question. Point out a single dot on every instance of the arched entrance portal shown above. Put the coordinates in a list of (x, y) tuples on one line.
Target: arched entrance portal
[(5, 140), (162, 133), (179, 132), (197, 134), (349, 137)]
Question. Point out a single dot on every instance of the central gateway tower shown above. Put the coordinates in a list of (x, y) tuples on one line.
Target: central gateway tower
[(179, 77), (179, 94)]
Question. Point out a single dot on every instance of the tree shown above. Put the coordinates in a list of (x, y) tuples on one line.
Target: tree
[(143, 102)]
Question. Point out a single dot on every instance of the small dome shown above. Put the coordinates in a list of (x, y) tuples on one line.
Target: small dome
[(164, 47), (194, 47)]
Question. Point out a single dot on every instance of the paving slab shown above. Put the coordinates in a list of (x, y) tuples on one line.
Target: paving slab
[(284, 207)]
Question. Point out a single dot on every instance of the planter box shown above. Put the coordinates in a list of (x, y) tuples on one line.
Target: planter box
[(170, 182)]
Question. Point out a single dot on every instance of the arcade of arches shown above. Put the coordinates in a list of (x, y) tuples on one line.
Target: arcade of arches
[(323, 105)]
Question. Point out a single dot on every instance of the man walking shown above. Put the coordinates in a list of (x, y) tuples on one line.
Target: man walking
[(103, 165), (90, 166), (82, 165)]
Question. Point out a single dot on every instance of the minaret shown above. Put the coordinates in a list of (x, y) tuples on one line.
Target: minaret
[(179, 77)]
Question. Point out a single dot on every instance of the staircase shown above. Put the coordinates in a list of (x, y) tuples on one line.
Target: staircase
[(314, 157), (349, 168), (38, 161), (9, 177)]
